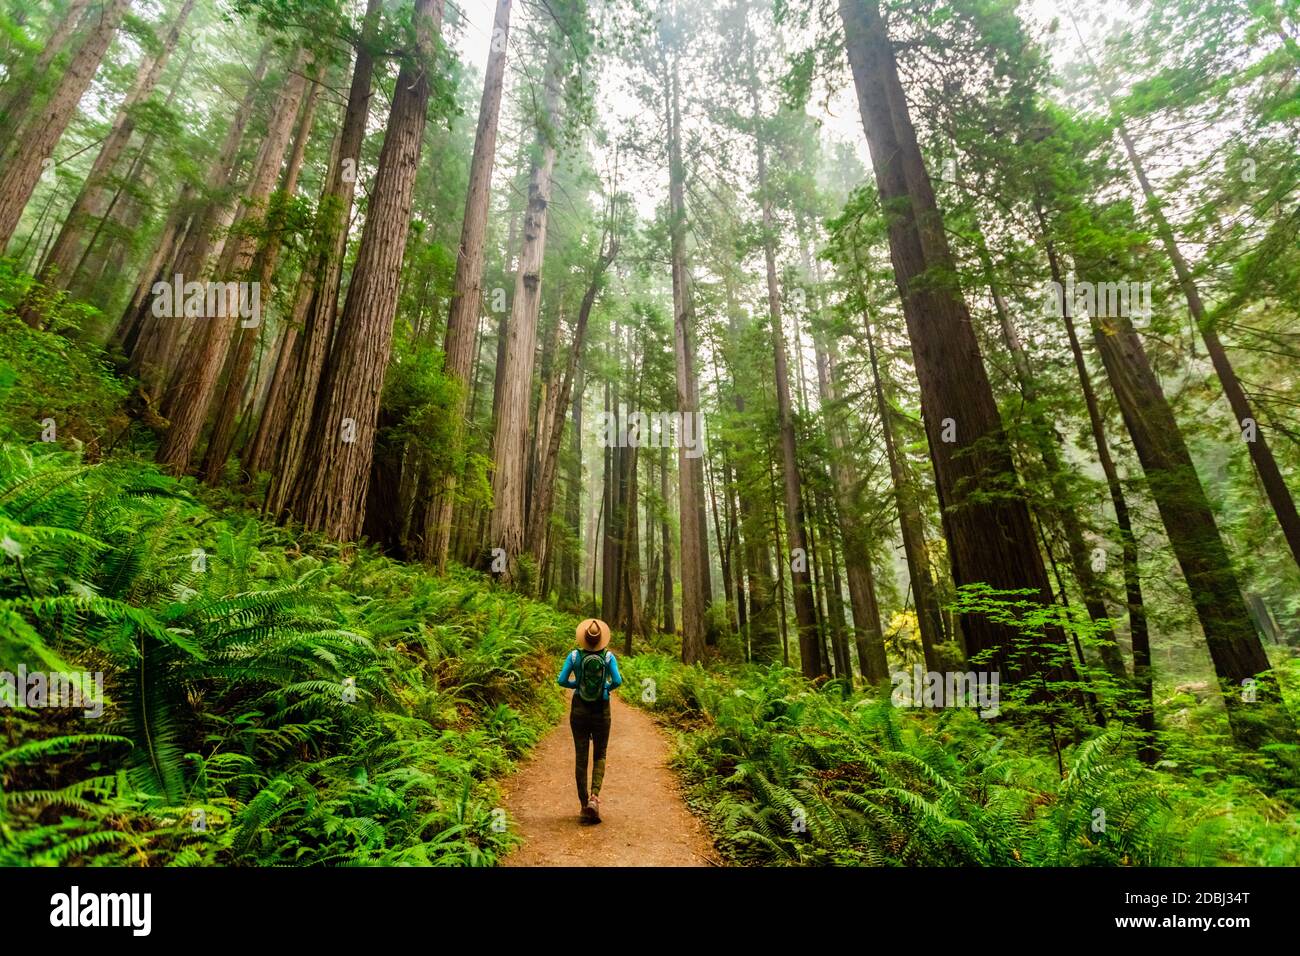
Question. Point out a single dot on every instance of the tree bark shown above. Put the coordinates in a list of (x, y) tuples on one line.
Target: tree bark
[(1061, 507), (1234, 645), (690, 477), (1270, 476), (665, 538), (986, 521), (330, 489), (544, 493), (1139, 636), (867, 632), (324, 274), (21, 89), (810, 657), (240, 359), (153, 358), (507, 526), (191, 395), (910, 522), (467, 292)]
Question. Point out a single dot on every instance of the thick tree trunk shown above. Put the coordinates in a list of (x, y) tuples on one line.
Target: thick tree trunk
[(467, 293), (1234, 645), (330, 489), (986, 521), (38, 137), (510, 446), (324, 275)]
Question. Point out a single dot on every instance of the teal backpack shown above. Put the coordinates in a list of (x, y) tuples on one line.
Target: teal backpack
[(591, 669)]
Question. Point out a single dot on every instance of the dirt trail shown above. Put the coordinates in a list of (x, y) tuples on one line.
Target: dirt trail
[(645, 820)]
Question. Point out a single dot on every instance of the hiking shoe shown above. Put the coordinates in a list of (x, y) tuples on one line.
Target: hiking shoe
[(588, 815), (593, 808)]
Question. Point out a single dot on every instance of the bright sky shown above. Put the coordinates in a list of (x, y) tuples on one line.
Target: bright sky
[(840, 121)]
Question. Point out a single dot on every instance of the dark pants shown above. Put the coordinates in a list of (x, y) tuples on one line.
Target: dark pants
[(589, 723)]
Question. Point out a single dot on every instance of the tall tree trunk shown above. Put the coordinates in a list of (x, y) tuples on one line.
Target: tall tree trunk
[(152, 359), (810, 656), (1270, 476), (330, 489), (764, 640), (630, 619), (510, 446), (1061, 507), (240, 358), (191, 395), (1234, 645), (1139, 636), (868, 634), (324, 274), (569, 590), (543, 497), (130, 325), (990, 536), (467, 293), (719, 528), (665, 538), (259, 455), (24, 165), (690, 474), (910, 522)]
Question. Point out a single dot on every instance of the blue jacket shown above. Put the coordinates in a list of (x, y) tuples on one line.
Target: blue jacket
[(569, 678)]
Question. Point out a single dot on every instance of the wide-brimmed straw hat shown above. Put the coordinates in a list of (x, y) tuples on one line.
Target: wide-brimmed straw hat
[(592, 634)]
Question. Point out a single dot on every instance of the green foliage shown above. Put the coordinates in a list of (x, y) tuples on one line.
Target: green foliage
[(57, 377), (266, 701), (790, 775)]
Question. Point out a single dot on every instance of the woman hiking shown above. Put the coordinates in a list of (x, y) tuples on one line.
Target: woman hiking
[(591, 670)]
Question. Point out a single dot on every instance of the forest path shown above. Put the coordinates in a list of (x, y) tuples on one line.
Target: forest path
[(645, 821)]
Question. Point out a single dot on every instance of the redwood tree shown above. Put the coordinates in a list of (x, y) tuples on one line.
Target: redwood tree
[(330, 489)]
